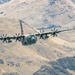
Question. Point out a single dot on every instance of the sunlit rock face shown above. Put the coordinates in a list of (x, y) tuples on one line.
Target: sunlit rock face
[(41, 13)]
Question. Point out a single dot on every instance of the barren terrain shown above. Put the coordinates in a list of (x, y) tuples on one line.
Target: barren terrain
[(46, 56)]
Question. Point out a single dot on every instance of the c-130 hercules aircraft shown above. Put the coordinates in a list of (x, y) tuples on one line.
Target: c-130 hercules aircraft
[(30, 38)]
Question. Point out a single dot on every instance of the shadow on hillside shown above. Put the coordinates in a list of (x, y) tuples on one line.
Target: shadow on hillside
[(58, 67), (4, 1)]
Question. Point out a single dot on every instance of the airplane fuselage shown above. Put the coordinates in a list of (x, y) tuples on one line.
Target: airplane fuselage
[(28, 39)]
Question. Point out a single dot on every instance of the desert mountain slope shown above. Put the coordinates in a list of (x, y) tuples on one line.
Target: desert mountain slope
[(16, 59), (26, 60), (44, 13)]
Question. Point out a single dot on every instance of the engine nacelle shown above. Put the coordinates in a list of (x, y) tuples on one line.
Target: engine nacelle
[(9, 41), (45, 36)]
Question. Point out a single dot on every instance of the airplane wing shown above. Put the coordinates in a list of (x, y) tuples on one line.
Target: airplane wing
[(1, 38), (10, 38), (63, 30), (53, 32), (43, 33)]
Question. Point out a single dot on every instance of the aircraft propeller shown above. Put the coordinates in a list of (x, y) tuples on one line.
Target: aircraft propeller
[(17, 37), (54, 32), (5, 38)]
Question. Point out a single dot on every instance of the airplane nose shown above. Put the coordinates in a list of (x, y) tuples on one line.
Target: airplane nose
[(33, 38)]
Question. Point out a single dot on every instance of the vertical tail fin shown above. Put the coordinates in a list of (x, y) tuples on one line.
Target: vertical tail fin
[(22, 32)]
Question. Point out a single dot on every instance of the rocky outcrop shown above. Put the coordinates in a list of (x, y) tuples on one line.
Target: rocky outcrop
[(4, 1), (1, 61), (14, 73), (58, 68)]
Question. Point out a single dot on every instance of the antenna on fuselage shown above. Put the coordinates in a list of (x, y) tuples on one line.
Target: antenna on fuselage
[(22, 32)]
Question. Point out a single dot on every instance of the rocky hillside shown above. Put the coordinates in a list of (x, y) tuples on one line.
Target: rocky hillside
[(26, 60), (64, 66), (44, 13), (54, 56)]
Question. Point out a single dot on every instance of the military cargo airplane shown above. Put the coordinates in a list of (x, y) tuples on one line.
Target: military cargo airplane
[(30, 38)]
